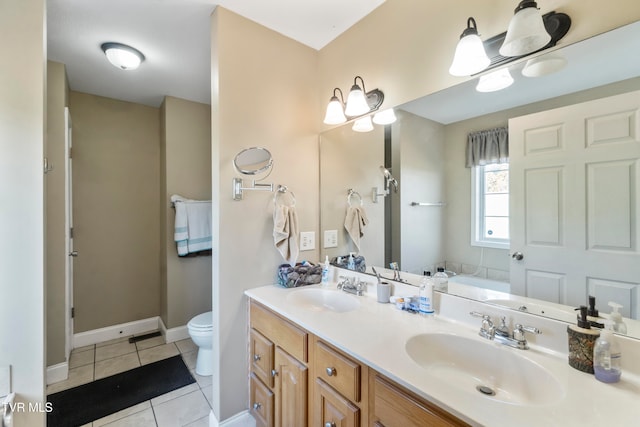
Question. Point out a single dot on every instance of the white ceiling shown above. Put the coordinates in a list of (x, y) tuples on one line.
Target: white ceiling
[(174, 36)]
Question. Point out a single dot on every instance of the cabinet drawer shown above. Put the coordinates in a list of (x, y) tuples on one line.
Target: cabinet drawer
[(261, 404), (337, 370), (332, 409), (281, 332), (393, 407), (261, 357)]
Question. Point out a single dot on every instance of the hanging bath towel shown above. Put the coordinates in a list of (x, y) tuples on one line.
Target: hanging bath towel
[(285, 232), (354, 223)]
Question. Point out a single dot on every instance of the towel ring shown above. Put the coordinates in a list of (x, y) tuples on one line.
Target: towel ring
[(351, 193), (283, 189)]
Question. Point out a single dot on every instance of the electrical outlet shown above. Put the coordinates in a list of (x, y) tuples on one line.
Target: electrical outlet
[(307, 240), (330, 238)]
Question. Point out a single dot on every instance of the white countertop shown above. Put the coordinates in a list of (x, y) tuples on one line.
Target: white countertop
[(375, 334)]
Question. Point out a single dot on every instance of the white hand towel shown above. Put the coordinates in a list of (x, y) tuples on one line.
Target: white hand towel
[(354, 223), (181, 230), (285, 232), (199, 224)]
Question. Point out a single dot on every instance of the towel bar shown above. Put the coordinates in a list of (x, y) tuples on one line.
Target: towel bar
[(437, 204)]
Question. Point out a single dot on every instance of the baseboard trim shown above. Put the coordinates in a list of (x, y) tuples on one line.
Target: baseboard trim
[(57, 373), (173, 334), (241, 419), (116, 331)]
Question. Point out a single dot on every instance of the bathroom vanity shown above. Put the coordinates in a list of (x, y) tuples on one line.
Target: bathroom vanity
[(322, 357)]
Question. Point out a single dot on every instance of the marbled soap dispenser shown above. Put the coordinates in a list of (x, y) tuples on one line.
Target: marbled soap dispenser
[(581, 341)]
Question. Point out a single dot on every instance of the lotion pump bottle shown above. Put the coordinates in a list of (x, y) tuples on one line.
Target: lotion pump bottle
[(607, 356), (325, 271), (351, 264), (618, 325), (425, 298)]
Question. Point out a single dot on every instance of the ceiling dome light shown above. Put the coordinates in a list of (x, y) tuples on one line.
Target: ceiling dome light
[(526, 32), (385, 117), (363, 125), (122, 56), (357, 101), (495, 81), (470, 57)]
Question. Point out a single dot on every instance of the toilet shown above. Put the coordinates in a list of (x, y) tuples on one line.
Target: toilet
[(201, 333)]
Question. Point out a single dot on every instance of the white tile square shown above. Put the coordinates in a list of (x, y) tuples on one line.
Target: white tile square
[(160, 352), (114, 350), (186, 346), (122, 414), (81, 358), (84, 348), (202, 422), (150, 342), (202, 381), (115, 365), (190, 359), (182, 410), (113, 341), (175, 393), (77, 376), (144, 418)]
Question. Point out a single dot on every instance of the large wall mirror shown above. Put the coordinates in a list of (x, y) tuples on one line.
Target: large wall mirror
[(427, 221)]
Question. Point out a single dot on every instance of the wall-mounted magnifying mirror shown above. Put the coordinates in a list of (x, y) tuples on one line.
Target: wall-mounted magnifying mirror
[(256, 162)]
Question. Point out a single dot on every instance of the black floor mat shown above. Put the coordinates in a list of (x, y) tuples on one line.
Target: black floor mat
[(89, 402)]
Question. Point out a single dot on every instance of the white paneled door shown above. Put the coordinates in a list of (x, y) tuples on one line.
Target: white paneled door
[(575, 187)]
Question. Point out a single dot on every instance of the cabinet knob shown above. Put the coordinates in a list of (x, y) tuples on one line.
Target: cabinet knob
[(331, 371), (257, 357), (257, 406), (274, 373), (329, 424)]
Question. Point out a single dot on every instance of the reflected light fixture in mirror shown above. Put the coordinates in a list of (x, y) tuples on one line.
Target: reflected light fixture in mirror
[(543, 65), (335, 111), (526, 32), (384, 117), (470, 56), (363, 125), (122, 56), (494, 81)]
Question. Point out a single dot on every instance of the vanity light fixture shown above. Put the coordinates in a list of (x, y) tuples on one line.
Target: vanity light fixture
[(363, 124), (526, 32), (384, 117), (543, 65), (470, 56), (359, 102), (356, 101), (335, 111), (495, 81), (122, 56)]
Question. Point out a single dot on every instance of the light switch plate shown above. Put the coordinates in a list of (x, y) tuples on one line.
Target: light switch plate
[(5, 380), (330, 238), (307, 240)]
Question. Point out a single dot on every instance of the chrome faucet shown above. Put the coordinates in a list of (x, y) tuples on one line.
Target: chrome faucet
[(501, 334), (352, 285)]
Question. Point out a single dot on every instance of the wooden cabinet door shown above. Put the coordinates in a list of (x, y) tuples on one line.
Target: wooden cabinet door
[(261, 403), (290, 390), (331, 409)]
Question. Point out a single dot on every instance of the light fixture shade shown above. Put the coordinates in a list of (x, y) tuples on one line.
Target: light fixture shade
[(495, 81), (470, 56), (526, 32), (384, 117), (122, 56), (356, 102), (363, 125), (543, 65), (335, 113)]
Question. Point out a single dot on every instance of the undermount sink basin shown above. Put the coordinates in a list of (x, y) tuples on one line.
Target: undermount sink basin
[(323, 300), (534, 308), (484, 369)]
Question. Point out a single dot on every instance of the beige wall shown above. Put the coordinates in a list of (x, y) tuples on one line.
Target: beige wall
[(264, 90), (350, 159), (458, 178), (57, 100), (186, 170), (116, 176), (22, 134)]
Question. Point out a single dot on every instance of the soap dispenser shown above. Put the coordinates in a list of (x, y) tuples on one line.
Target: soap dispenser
[(351, 263), (618, 325), (325, 271), (581, 342), (607, 356)]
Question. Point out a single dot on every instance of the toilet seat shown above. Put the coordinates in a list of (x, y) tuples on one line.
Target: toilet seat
[(202, 322)]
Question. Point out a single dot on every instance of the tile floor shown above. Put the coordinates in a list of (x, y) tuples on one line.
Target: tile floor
[(187, 406)]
